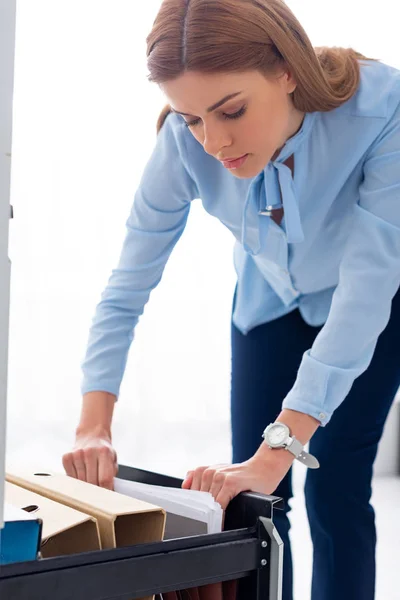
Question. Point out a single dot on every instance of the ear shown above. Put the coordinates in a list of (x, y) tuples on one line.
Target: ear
[(288, 81)]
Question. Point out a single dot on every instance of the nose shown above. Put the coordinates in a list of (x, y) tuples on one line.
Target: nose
[(216, 138)]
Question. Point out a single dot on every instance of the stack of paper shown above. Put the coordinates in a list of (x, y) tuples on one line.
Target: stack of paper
[(188, 512)]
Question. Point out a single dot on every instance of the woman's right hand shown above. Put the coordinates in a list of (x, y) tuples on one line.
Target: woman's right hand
[(93, 459)]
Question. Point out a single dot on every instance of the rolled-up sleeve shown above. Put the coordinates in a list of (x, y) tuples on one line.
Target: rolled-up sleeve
[(156, 222), (369, 279)]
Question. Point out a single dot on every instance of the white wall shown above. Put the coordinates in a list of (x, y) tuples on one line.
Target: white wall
[(84, 127), (7, 42)]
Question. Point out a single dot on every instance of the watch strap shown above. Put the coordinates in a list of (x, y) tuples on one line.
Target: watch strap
[(296, 448), (307, 459)]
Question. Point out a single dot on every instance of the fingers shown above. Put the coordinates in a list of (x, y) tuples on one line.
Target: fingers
[(68, 464), (108, 467), (79, 463), (207, 480), (227, 492), (197, 478), (187, 483), (201, 479), (220, 485), (91, 465), (217, 484), (94, 462), (220, 481)]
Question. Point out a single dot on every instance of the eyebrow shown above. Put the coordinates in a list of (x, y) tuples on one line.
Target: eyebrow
[(214, 106)]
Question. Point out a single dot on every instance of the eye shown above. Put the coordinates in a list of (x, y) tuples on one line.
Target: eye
[(192, 123), (235, 115), (228, 116)]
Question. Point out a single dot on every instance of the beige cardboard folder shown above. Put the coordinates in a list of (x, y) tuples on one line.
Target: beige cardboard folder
[(123, 521), (65, 530)]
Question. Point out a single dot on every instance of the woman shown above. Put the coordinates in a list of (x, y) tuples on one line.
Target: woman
[(297, 151)]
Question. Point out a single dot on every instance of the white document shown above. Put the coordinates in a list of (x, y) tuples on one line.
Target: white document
[(188, 512)]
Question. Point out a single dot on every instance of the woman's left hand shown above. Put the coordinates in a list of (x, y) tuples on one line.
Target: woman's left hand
[(262, 473)]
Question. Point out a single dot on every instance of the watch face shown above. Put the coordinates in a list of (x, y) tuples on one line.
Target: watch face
[(277, 434)]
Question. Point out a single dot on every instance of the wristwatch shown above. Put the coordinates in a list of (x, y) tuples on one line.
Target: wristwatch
[(277, 435)]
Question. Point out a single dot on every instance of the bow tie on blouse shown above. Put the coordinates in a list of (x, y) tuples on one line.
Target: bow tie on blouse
[(265, 191)]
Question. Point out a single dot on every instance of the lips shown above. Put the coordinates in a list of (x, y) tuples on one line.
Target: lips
[(234, 163)]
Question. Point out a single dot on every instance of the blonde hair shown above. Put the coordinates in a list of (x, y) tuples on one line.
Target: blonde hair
[(214, 36)]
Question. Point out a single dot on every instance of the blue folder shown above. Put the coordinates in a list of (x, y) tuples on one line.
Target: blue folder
[(20, 537)]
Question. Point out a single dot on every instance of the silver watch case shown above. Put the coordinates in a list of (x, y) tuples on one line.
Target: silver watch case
[(290, 443)]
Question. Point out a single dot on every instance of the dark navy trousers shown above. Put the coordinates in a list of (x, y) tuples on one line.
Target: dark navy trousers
[(341, 518)]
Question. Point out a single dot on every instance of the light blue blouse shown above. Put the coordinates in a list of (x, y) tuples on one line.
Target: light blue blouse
[(335, 257)]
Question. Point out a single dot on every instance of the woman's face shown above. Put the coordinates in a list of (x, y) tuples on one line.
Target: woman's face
[(255, 119)]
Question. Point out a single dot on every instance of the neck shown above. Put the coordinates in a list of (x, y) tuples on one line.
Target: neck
[(296, 121)]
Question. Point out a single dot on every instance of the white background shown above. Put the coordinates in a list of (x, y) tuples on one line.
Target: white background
[(84, 126)]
